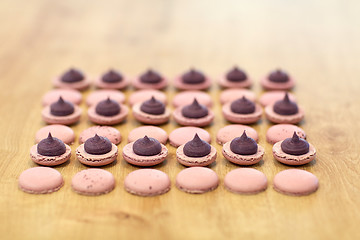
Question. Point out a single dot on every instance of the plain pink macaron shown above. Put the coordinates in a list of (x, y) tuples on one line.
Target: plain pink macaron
[(147, 182), (197, 180), (232, 94), (187, 97), (93, 181), (295, 182), (183, 135), (105, 131), (232, 131), (100, 95), (40, 180), (151, 131), (70, 95), (271, 97), (280, 132), (140, 96), (245, 181), (62, 132)]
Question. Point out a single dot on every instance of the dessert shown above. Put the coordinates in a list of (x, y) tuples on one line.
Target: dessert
[(108, 112), (151, 111), (112, 80), (62, 132), (140, 96), (151, 131), (150, 80), (235, 78), (93, 182), (280, 132), (242, 110), (232, 94), (272, 97), (182, 135), (278, 80), (197, 180), (232, 131), (245, 181), (61, 112), (69, 95), (73, 79), (105, 131), (192, 80), (187, 97), (195, 114), (100, 95)]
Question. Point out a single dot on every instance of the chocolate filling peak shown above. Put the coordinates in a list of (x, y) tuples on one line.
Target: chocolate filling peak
[(244, 145), (242, 106), (61, 108), (71, 76), (153, 106), (97, 145), (285, 106), (151, 77), (193, 77), (195, 110), (197, 147), (278, 76), (295, 145), (236, 75), (147, 146), (112, 77), (51, 146), (108, 108)]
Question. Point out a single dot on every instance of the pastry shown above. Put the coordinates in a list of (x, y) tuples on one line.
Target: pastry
[(192, 80), (108, 112), (112, 80), (242, 111), (151, 111), (61, 112), (235, 78), (195, 115)]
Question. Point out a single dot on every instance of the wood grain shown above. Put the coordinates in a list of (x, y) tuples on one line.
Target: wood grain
[(316, 41)]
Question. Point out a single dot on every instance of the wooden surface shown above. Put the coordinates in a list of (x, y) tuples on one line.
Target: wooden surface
[(318, 43)]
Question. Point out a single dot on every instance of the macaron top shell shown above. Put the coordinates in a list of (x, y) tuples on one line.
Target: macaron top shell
[(140, 96), (62, 132), (182, 135), (93, 181), (105, 131), (70, 95), (232, 131), (151, 131), (99, 95), (245, 181), (197, 180), (280, 132), (187, 97)]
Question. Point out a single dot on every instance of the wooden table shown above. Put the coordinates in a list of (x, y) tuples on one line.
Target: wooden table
[(318, 43)]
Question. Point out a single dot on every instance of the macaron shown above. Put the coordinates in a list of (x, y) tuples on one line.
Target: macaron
[(105, 131), (62, 132), (150, 80), (182, 135), (294, 151), (192, 80), (284, 111), (278, 80), (70, 95), (197, 180), (195, 115), (152, 111), (145, 151), (295, 182), (112, 79), (232, 94), (196, 153), (147, 182), (187, 97), (73, 78), (235, 78), (40, 180), (100, 95), (93, 182), (140, 96), (50, 152), (232, 131), (245, 181), (151, 131), (243, 150), (272, 97), (97, 151), (280, 132), (61, 112), (108, 112), (242, 110)]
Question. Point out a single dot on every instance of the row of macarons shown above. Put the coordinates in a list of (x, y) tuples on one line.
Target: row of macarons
[(153, 182), (190, 80), (153, 111)]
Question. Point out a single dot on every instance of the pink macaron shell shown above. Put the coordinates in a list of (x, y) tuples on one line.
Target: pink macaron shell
[(271, 97), (277, 118), (232, 94), (105, 131), (49, 160), (245, 181), (108, 120), (157, 86), (242, 159), (280, 132), (195, 161), (195, 122), (232, 131), (197, 180), (268, 85), (117, 85), (143, 161), (187, 97), (179, 84), (241, 118), (65, 120), (223, 82), (40, 180), (147, 182), (294, 160), (81, 85), (150, 131), (93, 182), (70, 95), (96, 160), (295, 182), (182, 135), (140, 96), (100, 95), (146, 118), (62, 132)]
